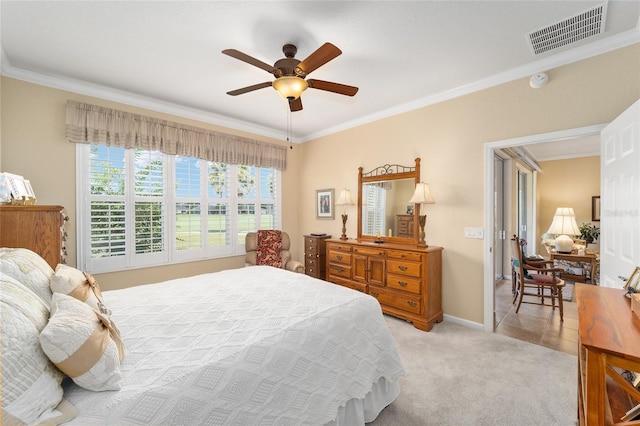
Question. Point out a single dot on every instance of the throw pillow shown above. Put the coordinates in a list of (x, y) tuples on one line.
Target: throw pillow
[(31, 384), (80, 285), (28, 269), (83, 344)]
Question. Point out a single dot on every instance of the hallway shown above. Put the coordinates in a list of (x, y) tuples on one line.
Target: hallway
[(536, 324)]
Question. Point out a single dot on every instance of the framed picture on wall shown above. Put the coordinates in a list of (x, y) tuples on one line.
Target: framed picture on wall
[(595, 208), (324, 204)]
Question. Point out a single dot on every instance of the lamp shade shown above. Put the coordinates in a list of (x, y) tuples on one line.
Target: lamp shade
[(290, 87), (344, 199), (422, 194), (564, 222)]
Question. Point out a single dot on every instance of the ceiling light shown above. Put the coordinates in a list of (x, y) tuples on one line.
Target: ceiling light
[(538, 80), (290, 87)]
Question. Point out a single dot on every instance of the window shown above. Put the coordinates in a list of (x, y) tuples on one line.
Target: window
[(139, 208), (375, 198)]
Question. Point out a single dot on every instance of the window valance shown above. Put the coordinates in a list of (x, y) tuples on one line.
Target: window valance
[(94, 124)]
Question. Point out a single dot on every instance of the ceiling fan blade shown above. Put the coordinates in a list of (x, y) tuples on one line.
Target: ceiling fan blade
[(321, 56), (249, 88), (252, 61), (329, 86), (295, 105)]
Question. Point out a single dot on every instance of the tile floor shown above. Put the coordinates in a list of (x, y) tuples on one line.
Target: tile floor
[(536, 324)]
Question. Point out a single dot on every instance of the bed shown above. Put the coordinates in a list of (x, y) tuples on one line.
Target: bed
[(251, 346)]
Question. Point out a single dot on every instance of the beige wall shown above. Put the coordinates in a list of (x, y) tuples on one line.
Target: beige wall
[(449, 138), (567, 183), (34, 146)]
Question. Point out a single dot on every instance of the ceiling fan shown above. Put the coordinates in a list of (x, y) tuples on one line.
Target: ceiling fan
[(290, 73)]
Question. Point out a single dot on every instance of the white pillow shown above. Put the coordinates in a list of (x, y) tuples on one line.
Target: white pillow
[(78, 343), (75, 283), (29, 269), (31, 387)]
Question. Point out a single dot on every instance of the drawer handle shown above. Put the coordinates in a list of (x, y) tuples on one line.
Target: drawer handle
[(339, 257), (339, 269), (412, 304), (402, 268), (375, 294), (402, 283)]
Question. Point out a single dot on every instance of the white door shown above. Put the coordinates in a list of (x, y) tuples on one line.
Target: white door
[(620, 198)]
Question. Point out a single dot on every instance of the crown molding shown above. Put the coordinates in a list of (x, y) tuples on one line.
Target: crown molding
[(564, 58), (574, 55), (128, 98)]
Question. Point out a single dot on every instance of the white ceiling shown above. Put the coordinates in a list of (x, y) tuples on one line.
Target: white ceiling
[(166, 55)]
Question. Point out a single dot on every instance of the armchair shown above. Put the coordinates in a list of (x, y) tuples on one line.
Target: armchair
[(270, 247)]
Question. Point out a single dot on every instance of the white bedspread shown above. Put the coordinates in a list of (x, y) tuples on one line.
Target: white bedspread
[(250, 346)]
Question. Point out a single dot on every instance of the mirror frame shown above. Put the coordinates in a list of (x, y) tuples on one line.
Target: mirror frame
[(389, 172)]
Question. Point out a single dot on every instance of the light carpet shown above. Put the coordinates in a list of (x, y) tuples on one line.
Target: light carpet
[(456, 375)]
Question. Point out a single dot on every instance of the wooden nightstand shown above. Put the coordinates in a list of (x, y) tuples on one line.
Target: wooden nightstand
[(314, 255)]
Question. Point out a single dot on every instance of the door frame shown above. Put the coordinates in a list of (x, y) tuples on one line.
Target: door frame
[(489, 150)]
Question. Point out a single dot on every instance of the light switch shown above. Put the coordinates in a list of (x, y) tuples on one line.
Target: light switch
[(477, 233)]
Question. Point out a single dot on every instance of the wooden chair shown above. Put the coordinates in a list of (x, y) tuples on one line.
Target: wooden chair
[(535, 280)]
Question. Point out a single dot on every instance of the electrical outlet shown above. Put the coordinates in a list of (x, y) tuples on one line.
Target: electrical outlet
[(477, 233)]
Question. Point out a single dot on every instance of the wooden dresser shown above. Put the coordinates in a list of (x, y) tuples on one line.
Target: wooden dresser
[(406, 279), (404, 225), (38, 228), (609, 341), (315, 255)]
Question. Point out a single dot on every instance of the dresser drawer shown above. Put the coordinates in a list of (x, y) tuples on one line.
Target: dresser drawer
[(411, 269), (404, 255), (311, 244), (339, 257), (396, 300), (366, 251), (312, 267), (339, 270), (404, 283), (339, 247)]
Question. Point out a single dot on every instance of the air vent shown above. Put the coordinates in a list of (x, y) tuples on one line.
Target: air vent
[(578, 27)]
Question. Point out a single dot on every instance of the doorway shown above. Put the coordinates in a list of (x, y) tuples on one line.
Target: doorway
[(489, 216)]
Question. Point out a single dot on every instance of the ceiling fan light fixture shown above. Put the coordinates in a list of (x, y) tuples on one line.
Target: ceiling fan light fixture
[(290, 87)]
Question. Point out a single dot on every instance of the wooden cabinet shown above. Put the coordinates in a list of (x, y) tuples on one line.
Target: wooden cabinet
[(609, 342), (315, 255), (404, 225), (38, 228), (406, 279)]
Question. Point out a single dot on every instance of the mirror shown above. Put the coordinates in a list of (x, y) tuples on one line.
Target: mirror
[(384, 212)]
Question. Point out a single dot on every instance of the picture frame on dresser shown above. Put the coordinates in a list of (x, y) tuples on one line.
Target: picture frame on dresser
[(325, 204), (20, 189)]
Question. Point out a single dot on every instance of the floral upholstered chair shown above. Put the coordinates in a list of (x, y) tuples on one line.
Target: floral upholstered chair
[(270, 247)]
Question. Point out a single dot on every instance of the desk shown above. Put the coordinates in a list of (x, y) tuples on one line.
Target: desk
[(609, 336), (591, 260)]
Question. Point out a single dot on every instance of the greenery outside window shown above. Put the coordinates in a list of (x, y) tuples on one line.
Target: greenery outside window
[(139, 208)]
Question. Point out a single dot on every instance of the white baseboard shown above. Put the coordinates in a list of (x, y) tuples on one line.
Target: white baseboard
[(461, 321)]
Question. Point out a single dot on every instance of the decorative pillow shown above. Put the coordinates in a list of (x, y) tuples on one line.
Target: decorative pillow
[(269, 247), (31, 384), (29, 269), (80, 285), (83, 344)]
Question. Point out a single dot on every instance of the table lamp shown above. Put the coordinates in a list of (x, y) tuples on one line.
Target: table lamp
[(563, 225), (422, 195), (344, 200)]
